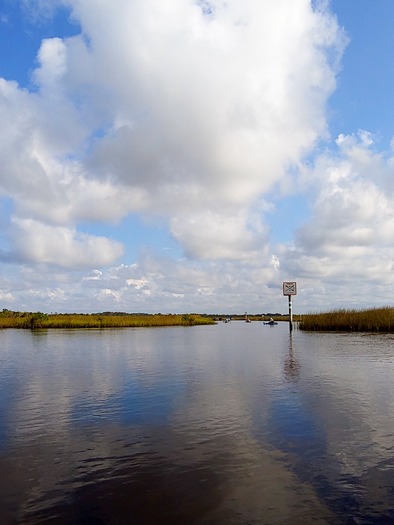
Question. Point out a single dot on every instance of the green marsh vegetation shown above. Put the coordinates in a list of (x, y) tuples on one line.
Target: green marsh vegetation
[(37, 320), (370, 320)]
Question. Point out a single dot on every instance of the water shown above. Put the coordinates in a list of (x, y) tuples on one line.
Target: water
[(237, 423)]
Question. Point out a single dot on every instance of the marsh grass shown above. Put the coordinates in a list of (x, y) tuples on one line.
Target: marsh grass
[(40, 320), (372, 320)]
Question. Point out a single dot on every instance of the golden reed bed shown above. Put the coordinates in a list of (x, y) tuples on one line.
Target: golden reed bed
[(371, 320), (35, 320)]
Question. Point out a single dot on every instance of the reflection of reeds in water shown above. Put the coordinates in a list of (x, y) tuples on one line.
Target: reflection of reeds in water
[(372, 320), (10, 319)]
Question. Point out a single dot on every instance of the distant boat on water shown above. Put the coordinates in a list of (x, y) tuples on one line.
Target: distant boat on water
[(271, 322)]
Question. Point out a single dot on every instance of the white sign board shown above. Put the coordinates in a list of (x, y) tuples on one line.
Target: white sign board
[(289, 288)]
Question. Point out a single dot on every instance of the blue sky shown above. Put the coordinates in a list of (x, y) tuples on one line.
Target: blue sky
[(174, 158), (363, 99)]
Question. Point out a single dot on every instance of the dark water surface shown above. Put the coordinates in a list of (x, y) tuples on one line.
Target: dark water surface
[(238, 423)]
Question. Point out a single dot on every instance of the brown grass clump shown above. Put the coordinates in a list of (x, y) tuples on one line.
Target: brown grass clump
[(371, 320)]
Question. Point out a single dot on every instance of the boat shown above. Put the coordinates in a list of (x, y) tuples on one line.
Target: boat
[(271, 322)]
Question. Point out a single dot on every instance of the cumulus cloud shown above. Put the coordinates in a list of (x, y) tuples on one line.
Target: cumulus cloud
[(221, 101), (154, 284), (354, 207), (39, 243), (208, 235), (195, 112), (186, 109), (348, 241)]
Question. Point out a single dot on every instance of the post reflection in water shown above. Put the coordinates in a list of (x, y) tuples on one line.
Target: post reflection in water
[(292, 366), (318, 424), (229, 424)]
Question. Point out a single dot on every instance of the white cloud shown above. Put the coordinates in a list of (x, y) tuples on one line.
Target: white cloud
[(168, 108), (221, 102), (52, 58), (210, 235), (347, 245), (193, 114), (354, 207), (36, 242)]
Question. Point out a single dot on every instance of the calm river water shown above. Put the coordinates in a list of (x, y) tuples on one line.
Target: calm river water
[(237, 423)]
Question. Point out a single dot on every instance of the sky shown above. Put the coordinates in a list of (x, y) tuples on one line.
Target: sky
[(193, 155)]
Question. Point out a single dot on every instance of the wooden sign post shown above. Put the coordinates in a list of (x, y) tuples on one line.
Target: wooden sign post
[(290, 289)]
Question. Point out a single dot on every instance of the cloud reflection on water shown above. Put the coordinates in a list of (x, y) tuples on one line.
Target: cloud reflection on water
[(208, 424)]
